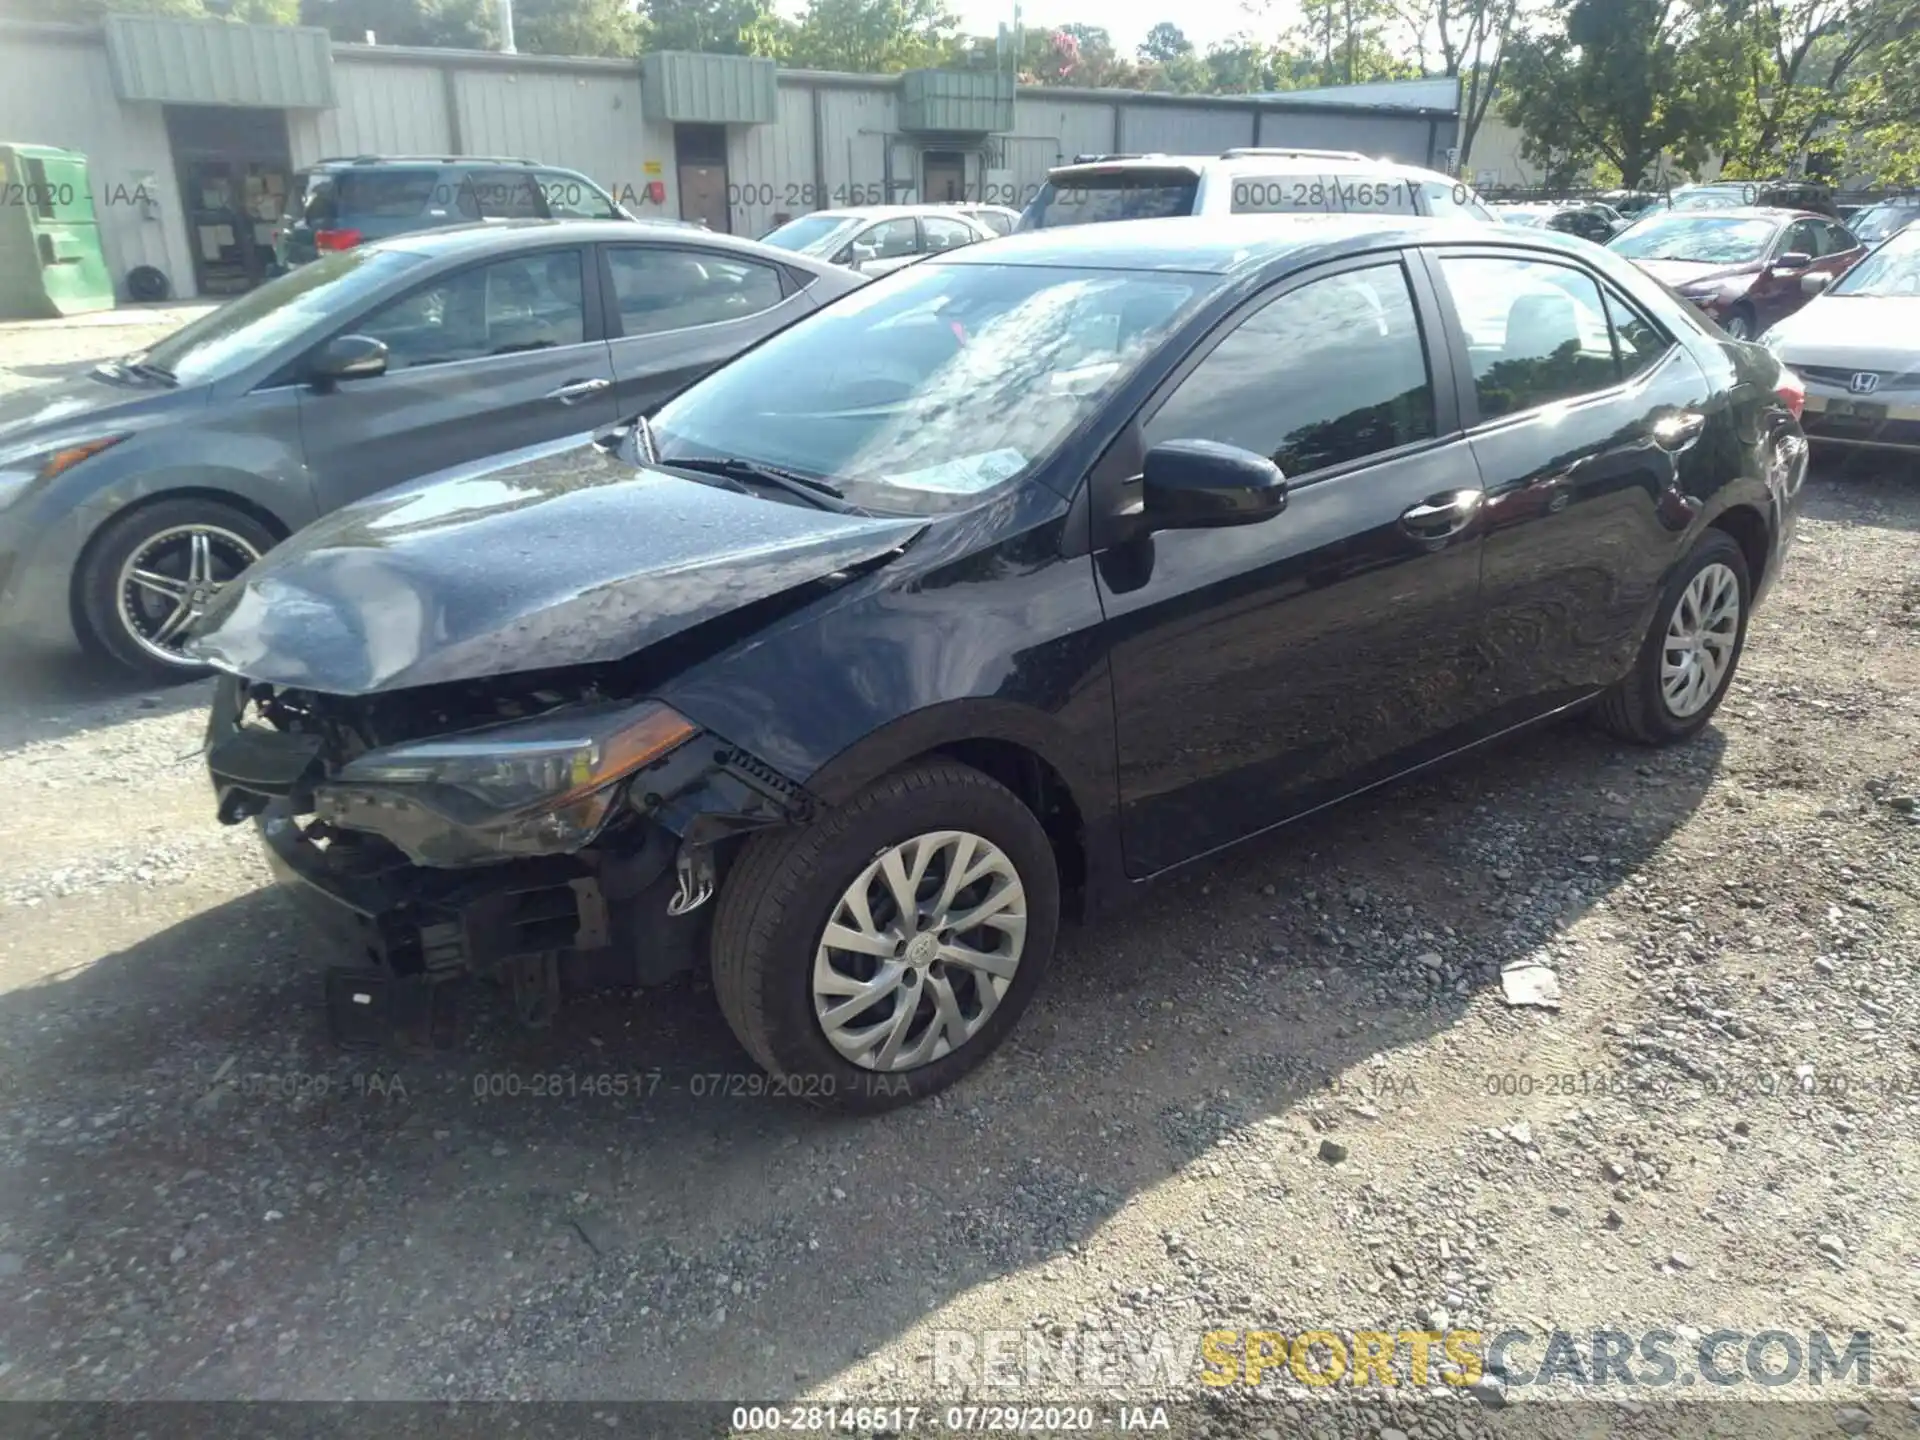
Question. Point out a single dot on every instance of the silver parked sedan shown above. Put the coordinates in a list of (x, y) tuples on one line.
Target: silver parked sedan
[(1858, 349), (879, 239), (130, 495)]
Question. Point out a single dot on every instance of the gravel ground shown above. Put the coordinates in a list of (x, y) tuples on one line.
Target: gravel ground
[(1287, 1092)]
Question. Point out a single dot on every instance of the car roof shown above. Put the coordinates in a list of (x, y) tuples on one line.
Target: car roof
[(1228, 244), (1752, 212), (1255, 161), (506, 236)]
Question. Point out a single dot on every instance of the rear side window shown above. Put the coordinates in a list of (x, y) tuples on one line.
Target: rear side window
[(1321, 195), (658, 289), (1328, 373), (1115, 195), (1536, 332), (384, 194)]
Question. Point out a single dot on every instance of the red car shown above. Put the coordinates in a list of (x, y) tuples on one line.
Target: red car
[(1745, 267)]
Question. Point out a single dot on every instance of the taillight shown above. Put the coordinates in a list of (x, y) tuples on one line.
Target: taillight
[(336, 239), (1792, 391)]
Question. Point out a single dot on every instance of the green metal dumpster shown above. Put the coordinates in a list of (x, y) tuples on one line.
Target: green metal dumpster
[(51, 263)]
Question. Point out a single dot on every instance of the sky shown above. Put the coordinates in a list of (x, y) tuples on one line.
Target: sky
[(1203, 21)]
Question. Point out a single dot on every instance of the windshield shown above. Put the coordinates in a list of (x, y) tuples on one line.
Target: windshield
[(1893, 269), (1114, 195), (806, 230), (1877, 222), (1700, 238), (254, 325), (927, 390)]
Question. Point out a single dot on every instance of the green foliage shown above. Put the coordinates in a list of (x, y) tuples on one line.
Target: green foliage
[(1347, 41), (722, 27), (576, 27), (1165, 42), (1624, 81), (1880, 119), (873, 36), (457, 24)]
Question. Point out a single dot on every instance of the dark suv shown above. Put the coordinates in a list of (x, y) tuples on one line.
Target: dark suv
[(340, 203)]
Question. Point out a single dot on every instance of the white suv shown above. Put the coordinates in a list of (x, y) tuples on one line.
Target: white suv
[(1255, 181)]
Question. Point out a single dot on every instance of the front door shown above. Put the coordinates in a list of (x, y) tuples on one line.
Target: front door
[(1584, 508), (700, 155), (946, 177), (235, 173), (1261, 670), (480, 361), (883, 248)]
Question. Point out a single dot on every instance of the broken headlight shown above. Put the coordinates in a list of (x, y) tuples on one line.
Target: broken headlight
[(530, 787)]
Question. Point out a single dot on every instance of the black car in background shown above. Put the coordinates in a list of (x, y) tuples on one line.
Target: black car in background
[(988, 592), (343, 202)]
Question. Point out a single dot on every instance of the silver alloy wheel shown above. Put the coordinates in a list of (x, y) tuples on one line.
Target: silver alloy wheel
[(920, 950), (1738, 326), (1700, 639), (170, 579)]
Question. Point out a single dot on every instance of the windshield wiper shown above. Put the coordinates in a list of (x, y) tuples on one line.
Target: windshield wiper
[(747, 473)]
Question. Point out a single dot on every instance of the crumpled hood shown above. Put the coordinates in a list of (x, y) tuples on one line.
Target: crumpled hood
[(1693, 272), (79, 404), (553, 556), (1866, 332)]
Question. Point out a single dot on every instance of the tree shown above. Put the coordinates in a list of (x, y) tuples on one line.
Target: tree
[(1165, 41), (456, 24), (1624, 81), (873, 36), (1797, 58), (90, 11), (576, 27), (724, 27), (1881, 117), (1348, 39), (1472, 36)]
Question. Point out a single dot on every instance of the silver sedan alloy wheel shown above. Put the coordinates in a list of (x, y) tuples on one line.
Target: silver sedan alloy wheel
[(170, 579), (1700, 639), (920, 950)]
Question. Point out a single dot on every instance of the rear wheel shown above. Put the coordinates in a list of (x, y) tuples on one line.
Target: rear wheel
[(1689, 656), (152, 572), (1739, 324), (878, 955)]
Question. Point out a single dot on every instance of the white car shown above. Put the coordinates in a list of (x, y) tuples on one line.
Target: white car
[(879, 239), (1255, 180), (1857, 347)]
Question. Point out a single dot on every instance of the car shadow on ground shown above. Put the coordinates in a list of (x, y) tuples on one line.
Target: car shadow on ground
[(613, 1207), (1863, 487), (48, 693)]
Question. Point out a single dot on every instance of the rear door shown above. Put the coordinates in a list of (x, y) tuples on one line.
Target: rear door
[(1564, 385), (1261, 670), (481, 360), (678, 311)]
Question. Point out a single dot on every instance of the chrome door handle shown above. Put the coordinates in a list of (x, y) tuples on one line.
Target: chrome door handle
[(1679, 431), (1443, 515), (578, 390)]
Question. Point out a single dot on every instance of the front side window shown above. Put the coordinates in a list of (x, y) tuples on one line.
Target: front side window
[(1536, 332), (531, 302), (569, 197), (1328, 373), (1803, 237), (943, 385), (1893, 269), (252, 326), (658, 289)]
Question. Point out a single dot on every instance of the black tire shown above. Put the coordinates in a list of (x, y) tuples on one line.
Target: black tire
[(103, 628), (1636, 709), (784, 888), (1742, 318)]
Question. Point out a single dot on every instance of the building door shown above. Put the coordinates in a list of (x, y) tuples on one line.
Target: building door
[(946, 177), (700, 151), (235, 166)]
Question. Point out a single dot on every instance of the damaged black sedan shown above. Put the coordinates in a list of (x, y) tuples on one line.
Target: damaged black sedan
[(997, 587)]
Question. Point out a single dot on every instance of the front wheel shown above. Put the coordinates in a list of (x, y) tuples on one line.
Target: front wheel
[(1689, 656), (150, 574), (1740, 324), (879, 954)]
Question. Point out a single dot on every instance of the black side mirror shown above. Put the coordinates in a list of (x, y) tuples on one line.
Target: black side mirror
[(1201, 484), (1793, 260), (349, 357)]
